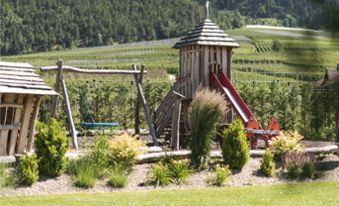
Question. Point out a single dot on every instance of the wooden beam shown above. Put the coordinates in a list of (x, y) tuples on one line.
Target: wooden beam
[(33, 121), (91, 71), (22, 141), (137, 104), (145, 106), (175, 132), (57, 86), (17, 106), (69, 114), (15, 131), (8, 98)]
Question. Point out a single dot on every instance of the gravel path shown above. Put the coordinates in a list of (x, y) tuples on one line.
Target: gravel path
[(329, 171)]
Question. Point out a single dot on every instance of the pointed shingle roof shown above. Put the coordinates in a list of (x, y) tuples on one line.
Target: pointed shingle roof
[(206, 33)]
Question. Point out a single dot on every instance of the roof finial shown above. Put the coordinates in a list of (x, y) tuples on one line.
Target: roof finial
[(206, 10)]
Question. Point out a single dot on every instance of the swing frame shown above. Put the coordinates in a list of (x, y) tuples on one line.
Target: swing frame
[(138, 76)]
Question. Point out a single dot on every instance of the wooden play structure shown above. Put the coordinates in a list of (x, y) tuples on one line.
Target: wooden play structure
[(21, 91), (138, 76), (205, 61)]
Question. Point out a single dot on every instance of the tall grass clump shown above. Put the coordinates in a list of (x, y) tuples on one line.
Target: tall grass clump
[(7, 177), (221, 175), (84, 171), (51, 145), (235, 148), (206, 110)]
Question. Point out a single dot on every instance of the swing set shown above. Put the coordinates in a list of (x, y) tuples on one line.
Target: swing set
[(138, 76)]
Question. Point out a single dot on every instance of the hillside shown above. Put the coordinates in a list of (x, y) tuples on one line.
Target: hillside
[(36, 25)]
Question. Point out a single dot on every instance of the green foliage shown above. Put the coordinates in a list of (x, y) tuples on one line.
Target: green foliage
[(7, 177), (267, 166), (117, 179), (28, 172), (178, 170), (235, 149), (160, 175), (276, 45), (221, 175), (299, 165), (101, 152), (84, 173), (286, 142), (124, 150), (206, 109), (51, 145)]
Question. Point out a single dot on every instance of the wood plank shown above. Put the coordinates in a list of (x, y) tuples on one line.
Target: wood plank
[(56, 88), (91, 71), (22, 82), (224, 60), (18, 106), (69, 114), (10, 126), (205, 67), (175, 132), (17, 73), (15, 64), (9, 98), (137, 104), (25, 86), (16, 77), (22, 141), (17, 69), (164, 123), (229, 64), (15, 131), (218, 53), (33, 123), (146, 108), (198, 68), (10, 90)]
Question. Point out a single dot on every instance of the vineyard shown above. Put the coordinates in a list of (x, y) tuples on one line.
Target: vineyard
[(273, 70)]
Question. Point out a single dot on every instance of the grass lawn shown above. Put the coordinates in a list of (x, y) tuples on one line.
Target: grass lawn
[(308, 194)]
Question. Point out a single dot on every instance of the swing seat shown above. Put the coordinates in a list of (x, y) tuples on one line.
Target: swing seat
[(93, 125)]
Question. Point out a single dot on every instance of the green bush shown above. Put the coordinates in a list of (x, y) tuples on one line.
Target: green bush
[(28, 172), (286, 142), (308, 170), (221, 175), (85, 173), (118, 179), (160, 175), (51, 145), (267, 166), (124, 150), (235, 148), (293, 170), (7, 178), (206, 110), (299, 165)]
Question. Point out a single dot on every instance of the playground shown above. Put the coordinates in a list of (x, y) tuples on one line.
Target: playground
[(199, 131)]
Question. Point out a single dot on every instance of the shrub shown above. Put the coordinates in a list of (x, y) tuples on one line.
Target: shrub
[(206, 109), (7, 178), (235, 149), (277, 45), (85, 173), (101, 151), (286, 142), (124, 150), (267, 166), (178, 170), (160, 175), (51, 145), (28, 172), (299, 165), (221, 175), (118, 179)]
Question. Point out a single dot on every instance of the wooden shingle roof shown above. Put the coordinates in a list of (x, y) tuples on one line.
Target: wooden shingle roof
[(206, 33), (20, 78)]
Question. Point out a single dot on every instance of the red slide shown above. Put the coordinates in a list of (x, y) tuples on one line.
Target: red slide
[(254, 129)]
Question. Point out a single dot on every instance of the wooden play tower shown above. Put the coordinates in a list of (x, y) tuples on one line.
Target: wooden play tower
[(205, 61), (204, 49)]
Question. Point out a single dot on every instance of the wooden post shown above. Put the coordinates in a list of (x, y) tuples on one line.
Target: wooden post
[(33, 121), (175, 133), (57, 86), (22, 142), (8, 98), (69, 114), (14, 135), (229, 114), (137, 104), (145, 106)]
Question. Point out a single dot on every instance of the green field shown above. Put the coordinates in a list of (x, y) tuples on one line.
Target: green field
[(308, 194), (303, 55)]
